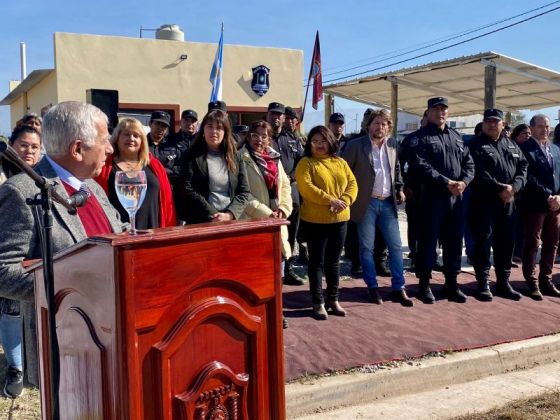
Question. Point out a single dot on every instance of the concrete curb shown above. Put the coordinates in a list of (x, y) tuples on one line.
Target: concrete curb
[(328, 393)]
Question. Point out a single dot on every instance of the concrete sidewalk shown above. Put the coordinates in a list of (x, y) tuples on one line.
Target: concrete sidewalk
[(455, 400), (437, 387)]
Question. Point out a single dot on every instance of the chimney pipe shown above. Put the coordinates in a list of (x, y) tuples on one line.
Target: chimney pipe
[(23, 60)]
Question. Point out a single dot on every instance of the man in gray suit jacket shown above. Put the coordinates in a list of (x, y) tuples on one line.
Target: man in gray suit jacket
[(373, 159), (76, 139)]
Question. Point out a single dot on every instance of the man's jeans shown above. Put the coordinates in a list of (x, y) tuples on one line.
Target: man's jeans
[(382, 213), (10, 337)]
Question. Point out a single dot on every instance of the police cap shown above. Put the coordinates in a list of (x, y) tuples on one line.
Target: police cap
[(161, 116), (189, 113), (439, 100), (276, 107), (221, 105), (290, 112), (238, 129), (336, 117), (493, 114)]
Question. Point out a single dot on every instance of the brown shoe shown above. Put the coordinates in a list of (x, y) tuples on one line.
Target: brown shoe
[(319, 312), (374, 296), (548, 288), (336, 308), (401, 297)]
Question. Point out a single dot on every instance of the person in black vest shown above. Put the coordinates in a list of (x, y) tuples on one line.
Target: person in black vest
[(291, 151), (411, 189), (541, 199), (159, 124), (189, 127), (170, 153), (500, 173), (444, 167), (336, 125)]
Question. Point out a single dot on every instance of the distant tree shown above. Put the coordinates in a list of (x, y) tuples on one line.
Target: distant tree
[(517, 118)]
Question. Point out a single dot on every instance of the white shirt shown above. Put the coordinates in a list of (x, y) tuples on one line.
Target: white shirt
[(66, 176), (382, 168)]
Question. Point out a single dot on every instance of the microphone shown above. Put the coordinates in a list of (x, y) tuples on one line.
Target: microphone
[(78, 199)]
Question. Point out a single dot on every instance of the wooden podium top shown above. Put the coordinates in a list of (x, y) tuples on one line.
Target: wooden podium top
[(198, 231), (194, 232)]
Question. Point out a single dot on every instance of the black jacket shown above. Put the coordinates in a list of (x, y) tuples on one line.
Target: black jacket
[(543, 180), (290, 149), (195, 179), (496, 163), (438, 156)]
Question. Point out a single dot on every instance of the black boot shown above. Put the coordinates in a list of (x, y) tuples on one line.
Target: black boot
[(548, 288), (534, 290), (424, 292), (504, 289), (290, 276), (452, 291), (484, 293)]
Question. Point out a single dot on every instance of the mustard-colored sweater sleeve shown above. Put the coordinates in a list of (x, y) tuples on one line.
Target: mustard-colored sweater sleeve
[(321, 180), (307, 172), (351, 192)]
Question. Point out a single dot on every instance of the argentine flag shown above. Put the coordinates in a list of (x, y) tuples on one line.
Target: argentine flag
[(216, 73)]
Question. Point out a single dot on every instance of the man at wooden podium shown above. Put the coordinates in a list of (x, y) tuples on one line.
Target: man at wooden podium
[(76, 140)]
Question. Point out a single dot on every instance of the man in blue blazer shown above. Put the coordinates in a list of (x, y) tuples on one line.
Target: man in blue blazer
[(542, 204)]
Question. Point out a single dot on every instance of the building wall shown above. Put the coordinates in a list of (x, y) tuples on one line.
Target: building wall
[(43, 93), (149, 71), (17, 110)]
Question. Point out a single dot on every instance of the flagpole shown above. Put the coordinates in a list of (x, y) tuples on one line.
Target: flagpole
[(309, 77)]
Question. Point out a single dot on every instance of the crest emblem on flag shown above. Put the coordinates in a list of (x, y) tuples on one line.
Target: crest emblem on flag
[(260, 83)]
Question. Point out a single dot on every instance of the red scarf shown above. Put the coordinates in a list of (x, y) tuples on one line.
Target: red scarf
[(269, 169)]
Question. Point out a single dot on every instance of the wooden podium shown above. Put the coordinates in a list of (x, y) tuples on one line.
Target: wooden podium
[(178, 323)]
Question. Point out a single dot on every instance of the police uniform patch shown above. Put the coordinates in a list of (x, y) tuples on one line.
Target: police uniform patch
[(414, 142)]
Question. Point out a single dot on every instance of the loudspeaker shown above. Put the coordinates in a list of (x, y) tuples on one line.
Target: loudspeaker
[(107, 101)]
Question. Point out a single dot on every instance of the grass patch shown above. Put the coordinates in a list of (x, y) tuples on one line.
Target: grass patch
[(543, 407), (26, 407)]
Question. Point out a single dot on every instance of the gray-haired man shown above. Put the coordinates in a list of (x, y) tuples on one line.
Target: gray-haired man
[(76, 139)]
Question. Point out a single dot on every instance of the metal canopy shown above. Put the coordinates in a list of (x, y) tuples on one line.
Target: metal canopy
[(519, 85)]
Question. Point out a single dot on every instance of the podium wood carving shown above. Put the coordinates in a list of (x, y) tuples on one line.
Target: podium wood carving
[(179, 323)]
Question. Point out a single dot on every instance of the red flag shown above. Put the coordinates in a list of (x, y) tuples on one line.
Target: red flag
[(316, 73)]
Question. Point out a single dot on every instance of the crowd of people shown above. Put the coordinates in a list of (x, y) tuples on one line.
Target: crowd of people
[(497, 192)]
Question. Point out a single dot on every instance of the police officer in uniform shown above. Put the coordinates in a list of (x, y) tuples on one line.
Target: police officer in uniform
[(444, 167), (291, 150), (411, 189), (159, 124), (170, 152), (500, 173)]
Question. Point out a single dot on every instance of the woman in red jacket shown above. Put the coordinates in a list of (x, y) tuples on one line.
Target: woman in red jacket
[(132, 154)]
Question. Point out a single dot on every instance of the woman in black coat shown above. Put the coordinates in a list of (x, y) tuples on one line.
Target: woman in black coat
[(214, 178)]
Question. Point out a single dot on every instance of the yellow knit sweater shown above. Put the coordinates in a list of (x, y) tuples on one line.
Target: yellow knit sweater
[(320, 180)]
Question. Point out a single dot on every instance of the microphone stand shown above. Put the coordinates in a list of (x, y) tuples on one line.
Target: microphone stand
[(44, 199)]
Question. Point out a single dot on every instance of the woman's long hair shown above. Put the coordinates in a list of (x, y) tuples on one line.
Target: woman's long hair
[(227, 146), (133, 124)]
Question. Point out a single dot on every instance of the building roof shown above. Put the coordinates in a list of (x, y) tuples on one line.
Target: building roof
[(519, 85), (31, 80)]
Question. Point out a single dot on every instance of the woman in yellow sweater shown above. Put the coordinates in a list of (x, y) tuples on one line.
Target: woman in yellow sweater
[(328, 188)]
